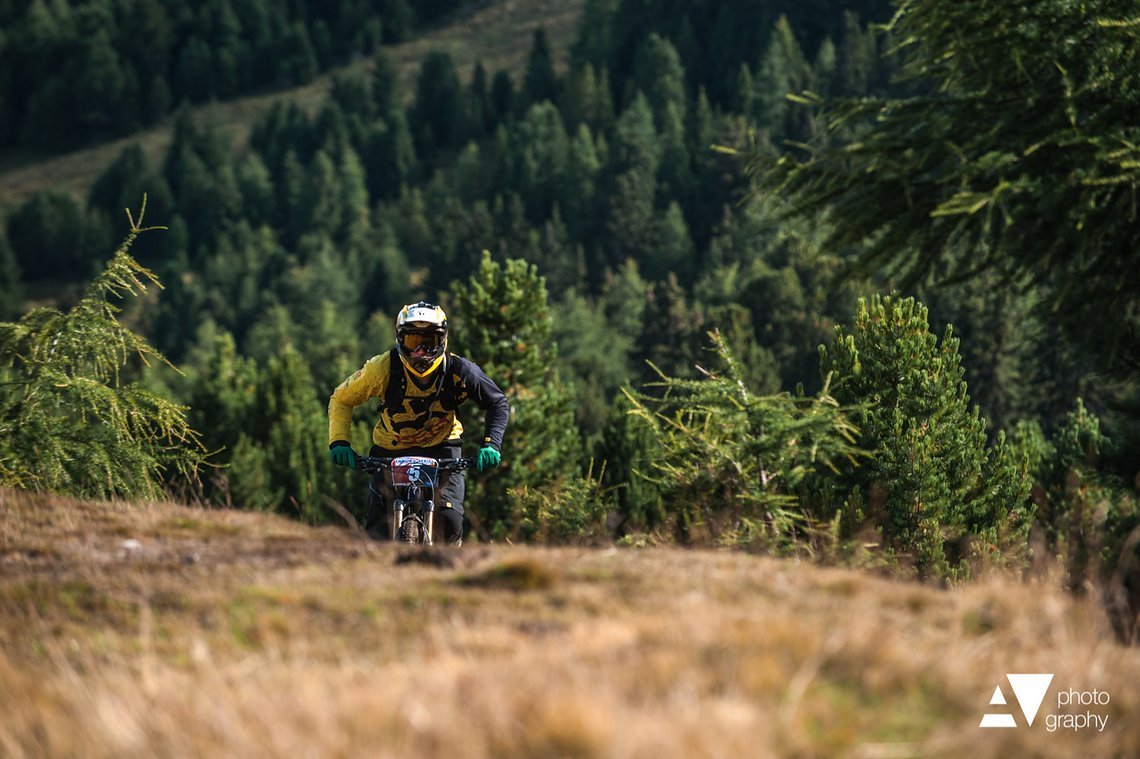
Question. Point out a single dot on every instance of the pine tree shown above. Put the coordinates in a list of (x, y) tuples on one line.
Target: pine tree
[(194, 74), (579, 191), (320, 208), (659, 74), (629, 449), (630, 220), (68, 421), (595, 353), (503, 97), (674, 331), (937, 491), (385, 87), (289, 423), (824, 67), (856, 58), (579, 101), (255, 184), (784, 70), (352, 192), (389, 157), (221, 387), (540, 82), (673, 249), (299, 65), (106, 92), (539, 152), (503, 323), (439, 113), (479, 103)]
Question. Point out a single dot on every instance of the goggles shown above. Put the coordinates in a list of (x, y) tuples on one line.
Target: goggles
[(428, 340)]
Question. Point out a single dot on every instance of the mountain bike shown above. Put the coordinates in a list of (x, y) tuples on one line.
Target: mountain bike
[(414, 480)]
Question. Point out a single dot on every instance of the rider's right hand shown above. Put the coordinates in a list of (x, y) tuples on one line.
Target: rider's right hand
[(342, 454)]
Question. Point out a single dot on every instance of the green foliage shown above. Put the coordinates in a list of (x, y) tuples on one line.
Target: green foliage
[(596, 342), (69, 421), (731, 465), (568, 510), (629, 446), (47, 237), (777, 271), (936, 490), (265, 423), (1087, 516), (1043, 192), (674, 331)]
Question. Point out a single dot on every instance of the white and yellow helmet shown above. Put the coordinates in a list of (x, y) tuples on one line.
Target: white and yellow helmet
[(421, 337)]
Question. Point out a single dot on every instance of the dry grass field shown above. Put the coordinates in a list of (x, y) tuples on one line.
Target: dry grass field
[(144, 630), (499, 33)]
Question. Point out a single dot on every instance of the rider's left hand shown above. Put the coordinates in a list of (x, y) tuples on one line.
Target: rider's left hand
[(488, 458)]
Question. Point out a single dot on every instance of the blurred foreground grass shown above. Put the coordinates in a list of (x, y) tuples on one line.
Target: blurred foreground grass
[(160, 630)]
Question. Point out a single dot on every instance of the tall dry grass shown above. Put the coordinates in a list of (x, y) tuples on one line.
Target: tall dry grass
[(159, 630)]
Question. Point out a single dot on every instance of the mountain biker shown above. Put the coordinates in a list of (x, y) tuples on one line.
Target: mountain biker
[(420, 386)]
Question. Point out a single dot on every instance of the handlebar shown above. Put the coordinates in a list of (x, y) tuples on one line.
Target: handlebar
[(374, 464)]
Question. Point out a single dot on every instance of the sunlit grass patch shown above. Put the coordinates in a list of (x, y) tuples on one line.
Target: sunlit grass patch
[(512, 574), (838, 715)]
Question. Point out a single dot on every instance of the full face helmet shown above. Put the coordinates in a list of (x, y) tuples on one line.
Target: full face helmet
[(421, 337)]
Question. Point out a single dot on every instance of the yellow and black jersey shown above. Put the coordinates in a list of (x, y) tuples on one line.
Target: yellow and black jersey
[(419, 417)]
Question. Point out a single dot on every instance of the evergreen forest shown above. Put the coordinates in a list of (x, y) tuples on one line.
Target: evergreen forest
[(853, 280)]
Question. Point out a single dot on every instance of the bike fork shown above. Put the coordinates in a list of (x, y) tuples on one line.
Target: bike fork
[(397, 518), (429, 519)]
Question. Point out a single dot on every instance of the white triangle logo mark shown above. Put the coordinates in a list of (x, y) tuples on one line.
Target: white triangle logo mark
[(1029, 690), (997, 698)]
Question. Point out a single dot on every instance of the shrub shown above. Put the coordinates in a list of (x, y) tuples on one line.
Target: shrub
[(731, 464)]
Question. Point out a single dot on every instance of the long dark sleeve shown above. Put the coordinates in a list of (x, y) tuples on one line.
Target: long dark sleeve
[(478, 387)]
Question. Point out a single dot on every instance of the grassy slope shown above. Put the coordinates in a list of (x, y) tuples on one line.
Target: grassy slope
[(499, 34), (164, 630)]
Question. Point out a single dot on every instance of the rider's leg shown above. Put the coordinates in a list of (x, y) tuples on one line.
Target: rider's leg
[(380, 494), (379, 499), (449, 505)]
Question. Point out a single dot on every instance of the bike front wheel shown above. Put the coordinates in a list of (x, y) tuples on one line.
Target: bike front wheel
[(410, 531)]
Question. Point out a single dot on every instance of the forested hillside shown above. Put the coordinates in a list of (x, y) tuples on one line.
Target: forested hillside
[(794, 276)]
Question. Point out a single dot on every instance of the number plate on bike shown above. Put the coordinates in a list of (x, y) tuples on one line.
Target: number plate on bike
[(418, 470)]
